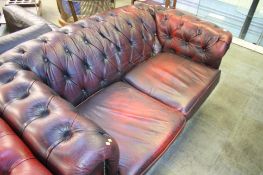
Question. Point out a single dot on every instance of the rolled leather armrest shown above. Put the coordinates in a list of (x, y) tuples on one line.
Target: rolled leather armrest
[(15, 157), (64, 141), (18, 18), (186, 35), (11, 40)]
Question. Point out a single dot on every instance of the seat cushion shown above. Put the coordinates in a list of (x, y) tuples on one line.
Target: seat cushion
[(175, 81), (142, 126)]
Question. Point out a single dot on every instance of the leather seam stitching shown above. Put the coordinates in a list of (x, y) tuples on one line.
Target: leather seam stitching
[(201, 95), (18, 162)]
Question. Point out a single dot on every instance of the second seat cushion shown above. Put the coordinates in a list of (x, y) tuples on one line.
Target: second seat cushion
[(142, 126), (175, 81)]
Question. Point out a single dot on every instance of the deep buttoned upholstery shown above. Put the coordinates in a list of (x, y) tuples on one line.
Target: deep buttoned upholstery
[(42, 80), (187, 35), (64, 141), (89, 55), (15, 157)]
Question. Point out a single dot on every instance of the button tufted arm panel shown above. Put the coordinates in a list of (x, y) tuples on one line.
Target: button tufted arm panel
[(64, 141), (86, 56), (188, 36), (15, 157)]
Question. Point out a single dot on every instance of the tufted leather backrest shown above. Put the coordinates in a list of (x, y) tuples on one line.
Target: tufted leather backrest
[(84, 57), (65, 142), (186, 35)]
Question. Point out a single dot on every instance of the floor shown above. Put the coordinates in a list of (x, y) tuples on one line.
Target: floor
[(225, 137)]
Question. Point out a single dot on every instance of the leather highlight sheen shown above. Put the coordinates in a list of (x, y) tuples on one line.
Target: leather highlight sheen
[(15, 157), (108, 94), (176, 81)]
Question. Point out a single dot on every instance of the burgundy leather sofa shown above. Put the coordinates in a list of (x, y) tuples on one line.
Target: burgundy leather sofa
[(111, 93)]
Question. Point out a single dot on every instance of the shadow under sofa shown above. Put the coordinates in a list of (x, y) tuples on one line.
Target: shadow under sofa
[(109, 94)]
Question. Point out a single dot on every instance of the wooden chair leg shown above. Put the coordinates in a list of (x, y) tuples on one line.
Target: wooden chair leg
[(73, 12), (167, 3), (174, 4)]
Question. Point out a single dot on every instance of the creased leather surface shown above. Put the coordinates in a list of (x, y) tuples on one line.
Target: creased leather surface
[(142, 126), (178, 82), (64, 141), (80, 59), (84, 57), (15, 157), (186, 35)]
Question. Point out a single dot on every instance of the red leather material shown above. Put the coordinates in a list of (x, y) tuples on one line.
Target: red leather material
[(178, 82), (82, 58), (142, 126), (80, 63), (15, 157), (191, 37), (64, 141)]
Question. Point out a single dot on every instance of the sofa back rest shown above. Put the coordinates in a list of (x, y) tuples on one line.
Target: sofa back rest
[(84, 57), (186, 35)]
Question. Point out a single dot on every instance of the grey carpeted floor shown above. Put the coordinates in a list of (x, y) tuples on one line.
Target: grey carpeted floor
[(225, 137)]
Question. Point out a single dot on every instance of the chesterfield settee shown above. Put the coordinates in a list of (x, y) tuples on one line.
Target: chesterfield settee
[(108, 94)]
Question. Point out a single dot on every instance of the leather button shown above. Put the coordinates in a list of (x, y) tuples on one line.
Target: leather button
[(129, 24), (44, 40), (86, 42), (44, 112), (104, 55), (66, 76), (82, 25), (22, 51), (101, 132), (103, 82), (199, 32), (112, 14), (118, 48), (131, 42), (87, 66), (67, 50), (98, 20), (45, 59), (67, 135), (84, 92), (169, 37)]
